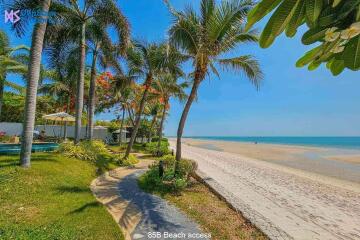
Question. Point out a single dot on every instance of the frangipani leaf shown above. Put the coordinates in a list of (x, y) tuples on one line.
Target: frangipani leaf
[(314, 65), (313, 35), (327, 17), (278, 22), (335, 3), (259, 11), (313, 10), (351, 54), (296, 20), (337, 66), (309, 56)]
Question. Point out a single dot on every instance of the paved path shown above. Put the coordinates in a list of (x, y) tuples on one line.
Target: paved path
[(136, 212), (284, 203), (157, 215)]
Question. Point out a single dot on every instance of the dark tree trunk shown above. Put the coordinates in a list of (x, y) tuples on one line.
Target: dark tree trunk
[(32, 86), (138, 116), (151, 128), (122, 126), (92, 96), (80, 87), (161, 127), (131, 117), (199, 76)]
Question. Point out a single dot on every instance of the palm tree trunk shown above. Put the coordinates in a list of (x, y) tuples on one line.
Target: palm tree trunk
[(199, 76), (151, 127), (161, 128), (121, 126), (67, 111), (92, 96), (138, 116), (2, 83), (32, 86), (131, 117), (80, 87)]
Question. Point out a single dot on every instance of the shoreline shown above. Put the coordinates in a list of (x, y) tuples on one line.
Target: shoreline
[(342, 164), (310, 146), (284, 202)]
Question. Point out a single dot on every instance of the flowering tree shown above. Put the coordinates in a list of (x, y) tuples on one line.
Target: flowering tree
[(335, 24), (103, 89)]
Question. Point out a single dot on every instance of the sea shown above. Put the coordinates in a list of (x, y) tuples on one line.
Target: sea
[(333, 142)]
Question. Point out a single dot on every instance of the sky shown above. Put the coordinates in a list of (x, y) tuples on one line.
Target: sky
[(291, 101)]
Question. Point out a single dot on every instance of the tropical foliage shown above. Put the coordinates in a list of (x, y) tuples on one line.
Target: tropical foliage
[(205, 37), (88, 73), (11, 61), (333, 24)]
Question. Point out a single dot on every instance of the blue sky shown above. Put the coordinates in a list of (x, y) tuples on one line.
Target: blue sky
[(290, 102)]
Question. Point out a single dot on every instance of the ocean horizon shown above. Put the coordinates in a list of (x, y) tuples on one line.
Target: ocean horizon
[(333, 142)]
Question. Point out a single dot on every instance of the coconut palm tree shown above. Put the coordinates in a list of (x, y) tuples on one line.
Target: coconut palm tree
[(103, 48), (207, 36), (123, 92), (32, 80), (148, 60), (154, 112), (10, 62), (62, 59), (75, 19), (167, 87)]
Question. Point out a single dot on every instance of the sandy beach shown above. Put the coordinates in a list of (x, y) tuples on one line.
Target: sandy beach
[(282, 189), (339, 163)]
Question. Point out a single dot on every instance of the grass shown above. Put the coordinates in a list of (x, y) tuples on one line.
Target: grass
[(51, 200), (213, 214), (137, 147)]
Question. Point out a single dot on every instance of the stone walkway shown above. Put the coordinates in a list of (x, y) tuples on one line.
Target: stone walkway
[(282, 202), (137, 213)]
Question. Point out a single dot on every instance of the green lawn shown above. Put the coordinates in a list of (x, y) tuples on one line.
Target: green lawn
[(51, 200), (137, 147)]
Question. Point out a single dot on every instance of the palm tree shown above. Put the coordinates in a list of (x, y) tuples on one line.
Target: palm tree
[(10, 62), (205, 37), (148, 60), (32, 84), (75, 19), (166, 87), (62, 60), (122, 95), (154, 112), (102, 48)]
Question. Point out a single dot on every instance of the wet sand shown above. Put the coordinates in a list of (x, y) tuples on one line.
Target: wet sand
[(343, 164)]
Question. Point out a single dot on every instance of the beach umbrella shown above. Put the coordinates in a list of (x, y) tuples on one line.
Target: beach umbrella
[(60, 117)]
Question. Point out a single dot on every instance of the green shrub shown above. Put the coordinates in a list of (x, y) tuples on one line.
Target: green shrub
[(152, 148), (97, 153), (169, 183), (4, 138), (130, 161), (86, 150), (186, 167), (156, 139)]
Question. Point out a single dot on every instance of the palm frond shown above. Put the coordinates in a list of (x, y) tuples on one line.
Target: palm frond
[(246, 64)]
